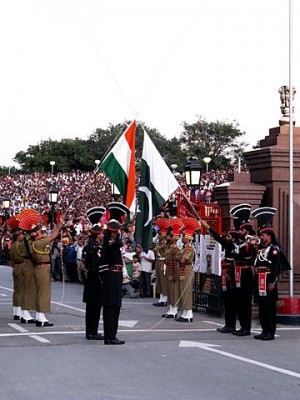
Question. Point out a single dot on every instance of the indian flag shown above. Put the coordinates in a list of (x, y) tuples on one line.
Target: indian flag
[(157, 183), (119, 166)]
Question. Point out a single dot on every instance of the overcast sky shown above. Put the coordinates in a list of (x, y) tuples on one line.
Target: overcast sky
[(69, 67)]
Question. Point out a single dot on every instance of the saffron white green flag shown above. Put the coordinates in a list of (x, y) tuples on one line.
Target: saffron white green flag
[(119, 166), (157, 183)]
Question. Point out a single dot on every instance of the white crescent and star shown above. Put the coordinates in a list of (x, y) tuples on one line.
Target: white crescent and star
[(148, 194)]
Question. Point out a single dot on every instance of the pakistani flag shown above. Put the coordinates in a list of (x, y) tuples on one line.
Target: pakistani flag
[(119, 166), (157, 183)]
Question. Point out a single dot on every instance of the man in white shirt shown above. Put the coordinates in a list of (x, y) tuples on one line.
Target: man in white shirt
[(78, 248), (147, 262)]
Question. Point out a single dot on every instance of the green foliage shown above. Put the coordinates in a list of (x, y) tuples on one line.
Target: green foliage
[(8, 170), (217, 139), (68, 154)]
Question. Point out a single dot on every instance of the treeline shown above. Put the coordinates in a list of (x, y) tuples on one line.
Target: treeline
[(221, 141)]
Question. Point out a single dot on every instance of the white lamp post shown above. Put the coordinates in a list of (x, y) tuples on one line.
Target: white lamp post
[(97, 162), (174, 166), (207, 160), (52, 163)]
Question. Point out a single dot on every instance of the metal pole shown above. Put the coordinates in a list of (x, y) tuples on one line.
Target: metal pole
[(291, 126), (52, 216)]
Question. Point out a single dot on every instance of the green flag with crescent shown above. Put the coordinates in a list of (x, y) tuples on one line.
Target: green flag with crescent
[(157, 183)]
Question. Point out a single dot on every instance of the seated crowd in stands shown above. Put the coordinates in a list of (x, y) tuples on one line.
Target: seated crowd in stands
[(78, 191)]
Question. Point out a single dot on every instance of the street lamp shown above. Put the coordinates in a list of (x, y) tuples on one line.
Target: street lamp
[(97, 162), (53, 197), (192, 172), (5, 206), (174, 166), (52, 163), (207, 160)]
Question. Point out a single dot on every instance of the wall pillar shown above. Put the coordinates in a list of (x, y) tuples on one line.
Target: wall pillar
[(269, 166)]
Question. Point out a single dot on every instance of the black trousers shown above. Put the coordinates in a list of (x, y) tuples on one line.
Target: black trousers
[(92, 317), (230, 307), (146, 284), (111, 321), (267, 312), (244, 299)]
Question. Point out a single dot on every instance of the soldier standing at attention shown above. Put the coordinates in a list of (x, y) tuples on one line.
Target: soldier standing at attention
[(17, 262), (113, 277), (269, 263), (93, 286), (172, 251), (160, 263), (185, 259)]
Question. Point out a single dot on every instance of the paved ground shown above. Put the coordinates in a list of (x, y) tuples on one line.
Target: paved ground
[(161, 359)]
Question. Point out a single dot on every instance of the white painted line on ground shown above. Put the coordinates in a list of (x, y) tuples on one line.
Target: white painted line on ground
[(39, 339), (18, 328), (66, 306), (210, 347), (5, 288), (29, 334), (127, 324), (213, 323), (46, 333)]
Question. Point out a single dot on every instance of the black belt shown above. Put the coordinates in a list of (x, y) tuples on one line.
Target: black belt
[(42, 263), (116, 268)]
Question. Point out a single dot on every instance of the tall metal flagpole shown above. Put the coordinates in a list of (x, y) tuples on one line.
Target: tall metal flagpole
[(291, 126)]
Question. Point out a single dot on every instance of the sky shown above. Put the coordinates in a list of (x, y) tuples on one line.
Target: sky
[(69, 67)]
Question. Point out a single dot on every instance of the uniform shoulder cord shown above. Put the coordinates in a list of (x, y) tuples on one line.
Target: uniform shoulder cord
[(28, 251)]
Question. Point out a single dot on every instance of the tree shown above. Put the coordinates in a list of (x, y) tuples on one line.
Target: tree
[(219, 140), (68, 154), (102, 140), (79, 154)]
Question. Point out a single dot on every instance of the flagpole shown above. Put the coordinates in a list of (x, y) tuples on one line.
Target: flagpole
[(190, 203), (291, 125)]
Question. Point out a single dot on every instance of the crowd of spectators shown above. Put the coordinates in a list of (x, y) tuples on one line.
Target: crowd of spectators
[(77, 192)]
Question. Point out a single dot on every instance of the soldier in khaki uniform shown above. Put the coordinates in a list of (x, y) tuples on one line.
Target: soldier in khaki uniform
[(160, 263), (186, 272), (39, 250), (176, 225), (22, 259), (16, 262)]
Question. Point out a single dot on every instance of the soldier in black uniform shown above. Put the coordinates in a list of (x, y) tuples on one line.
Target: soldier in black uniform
[(113, 277), (228, 293), (244, 260), (94, 266), (268, 266)]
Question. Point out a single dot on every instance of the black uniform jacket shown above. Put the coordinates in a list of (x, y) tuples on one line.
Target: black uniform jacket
[(113, 277), (93, 288)]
